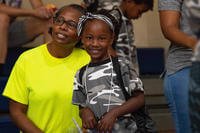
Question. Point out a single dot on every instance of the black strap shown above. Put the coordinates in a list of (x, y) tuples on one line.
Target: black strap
[(81, 74), (117, 69)]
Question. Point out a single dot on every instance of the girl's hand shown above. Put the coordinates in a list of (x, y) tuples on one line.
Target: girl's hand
[(88, 118), (107, 122)]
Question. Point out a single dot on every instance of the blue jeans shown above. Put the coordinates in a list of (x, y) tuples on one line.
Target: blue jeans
[(176, 87)]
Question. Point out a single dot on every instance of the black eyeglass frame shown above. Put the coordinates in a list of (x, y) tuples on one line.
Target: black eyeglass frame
[(61, 20)]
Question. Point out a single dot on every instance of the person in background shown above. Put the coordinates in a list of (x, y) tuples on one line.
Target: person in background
[(193, 15), (103, 106), (97, 5), (14, 32), (124, 11), (175, 27), (40, 84)]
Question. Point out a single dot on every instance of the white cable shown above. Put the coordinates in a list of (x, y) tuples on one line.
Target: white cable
[(111, 83), (86, 91), (76, 124)]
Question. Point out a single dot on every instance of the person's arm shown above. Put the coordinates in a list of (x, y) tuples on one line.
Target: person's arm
[(88, 118), (36, 3), (169, 21), (19, 12), (18, 113), (134, 103), (15, 12), (45, 11)]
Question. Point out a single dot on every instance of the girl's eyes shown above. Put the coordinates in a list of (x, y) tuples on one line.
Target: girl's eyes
[(102, 38), (99, 38), (88, 37)]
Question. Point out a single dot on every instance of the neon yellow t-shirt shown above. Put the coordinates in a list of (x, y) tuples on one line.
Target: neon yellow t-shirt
[(45, 84)]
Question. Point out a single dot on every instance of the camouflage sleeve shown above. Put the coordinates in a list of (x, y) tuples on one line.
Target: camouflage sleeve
[(131, 80), (193, 14), (79, 95)]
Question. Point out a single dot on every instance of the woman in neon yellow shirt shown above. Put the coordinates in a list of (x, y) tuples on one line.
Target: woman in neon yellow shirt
[(40, 85)]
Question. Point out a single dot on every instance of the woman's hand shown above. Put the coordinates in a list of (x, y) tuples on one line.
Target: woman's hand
[(45, 12), (18, 113)]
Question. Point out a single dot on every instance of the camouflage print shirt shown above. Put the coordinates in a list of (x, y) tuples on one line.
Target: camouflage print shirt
[(103, 4), (12, 3), (125, 43), (193, 15), (98, 88), (99, 80)]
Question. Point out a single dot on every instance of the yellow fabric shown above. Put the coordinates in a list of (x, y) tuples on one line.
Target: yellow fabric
[(44, 83)]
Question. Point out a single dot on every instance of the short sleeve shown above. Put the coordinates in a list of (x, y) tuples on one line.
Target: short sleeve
[(193, 14), (16, 87), (79, 94), (169, 5)]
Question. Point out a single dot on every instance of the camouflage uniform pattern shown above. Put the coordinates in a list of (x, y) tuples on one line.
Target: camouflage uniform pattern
[(98, 82), (125, 43), (194, 87), (194, 15), (194, 91), (103, 4)]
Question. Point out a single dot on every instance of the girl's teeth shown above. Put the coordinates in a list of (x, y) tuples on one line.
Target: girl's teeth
[(61, 36)]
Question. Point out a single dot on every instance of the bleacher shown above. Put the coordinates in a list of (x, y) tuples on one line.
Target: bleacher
[(151, 62), (6, 124)]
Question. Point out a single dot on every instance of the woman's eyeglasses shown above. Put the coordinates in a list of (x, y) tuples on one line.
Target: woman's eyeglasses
[(69, 23)]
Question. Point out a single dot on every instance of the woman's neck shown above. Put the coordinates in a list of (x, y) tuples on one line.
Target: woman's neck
[(59, 50)]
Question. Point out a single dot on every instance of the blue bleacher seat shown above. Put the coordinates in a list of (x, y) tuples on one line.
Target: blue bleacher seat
[(3, 100), (12, 56), (151, 60), (6, 124)]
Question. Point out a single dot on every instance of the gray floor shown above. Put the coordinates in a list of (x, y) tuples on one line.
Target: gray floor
[(157, 104)]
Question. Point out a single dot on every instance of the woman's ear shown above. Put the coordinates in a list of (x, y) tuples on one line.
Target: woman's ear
[(80, 38), (114, 37), (50, 30), (51, 21)]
